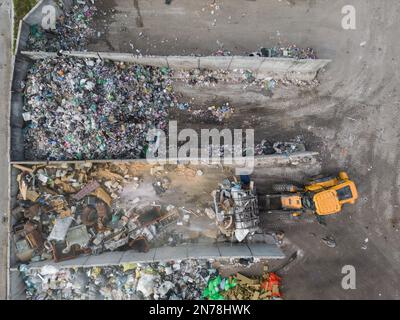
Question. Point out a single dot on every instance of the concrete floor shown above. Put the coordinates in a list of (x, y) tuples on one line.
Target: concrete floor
[(351, 118), (5, 71)]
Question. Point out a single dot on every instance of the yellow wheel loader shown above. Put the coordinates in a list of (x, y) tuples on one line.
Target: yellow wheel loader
[(321, 195)]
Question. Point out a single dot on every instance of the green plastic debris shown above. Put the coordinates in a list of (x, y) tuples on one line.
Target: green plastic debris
[(218, 285), (35, 31), (164, 70)]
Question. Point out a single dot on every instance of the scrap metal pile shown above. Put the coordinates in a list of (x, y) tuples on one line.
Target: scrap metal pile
[(67, 210), (93, 109), (236, 208), (73, 29)]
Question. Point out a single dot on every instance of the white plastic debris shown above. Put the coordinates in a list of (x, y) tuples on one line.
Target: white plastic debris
[(60, 229)]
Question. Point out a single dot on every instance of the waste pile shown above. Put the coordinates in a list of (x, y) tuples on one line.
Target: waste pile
[(66, 210), (291, 51), (205, 77), (78, 109), (217, 113), (190, 279), (210, 78), (236, 208), (222, 53), (173, 280), (243, 77), (265, 147), (93, 109), (240, 287), (287, 148), (73, 29)]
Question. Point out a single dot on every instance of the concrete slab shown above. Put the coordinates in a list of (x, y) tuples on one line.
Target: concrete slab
[(171, 253), (264, 250), (203, 251), (307, 66), (21, 67), (183, 63), (35, 16), (17, 286), (246, 63), (16, 110), (134, 256), (271, 67), (234, 250), (155, 61), (79, 261), (109, 258), (38, 265), (215, 63)]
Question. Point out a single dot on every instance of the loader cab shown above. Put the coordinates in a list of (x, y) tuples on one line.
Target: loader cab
[(330, 201)]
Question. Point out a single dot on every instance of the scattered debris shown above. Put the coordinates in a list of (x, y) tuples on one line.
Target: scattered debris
[(329, 241), (364, 246), (286, 52), (73, 29), (212, 113)]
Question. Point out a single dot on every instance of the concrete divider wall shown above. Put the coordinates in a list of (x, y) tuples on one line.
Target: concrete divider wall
[(16, 286), (21, 66), (223, 250), (279, 68)]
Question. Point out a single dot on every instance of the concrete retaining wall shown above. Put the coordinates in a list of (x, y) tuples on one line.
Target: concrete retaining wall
[(16, 286), (278, 68), (191, 251)]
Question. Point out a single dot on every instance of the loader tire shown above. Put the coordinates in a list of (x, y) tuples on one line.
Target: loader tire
[(284, 187)]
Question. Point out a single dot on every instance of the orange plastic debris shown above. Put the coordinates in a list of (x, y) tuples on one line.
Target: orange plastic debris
[(272, 284)]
